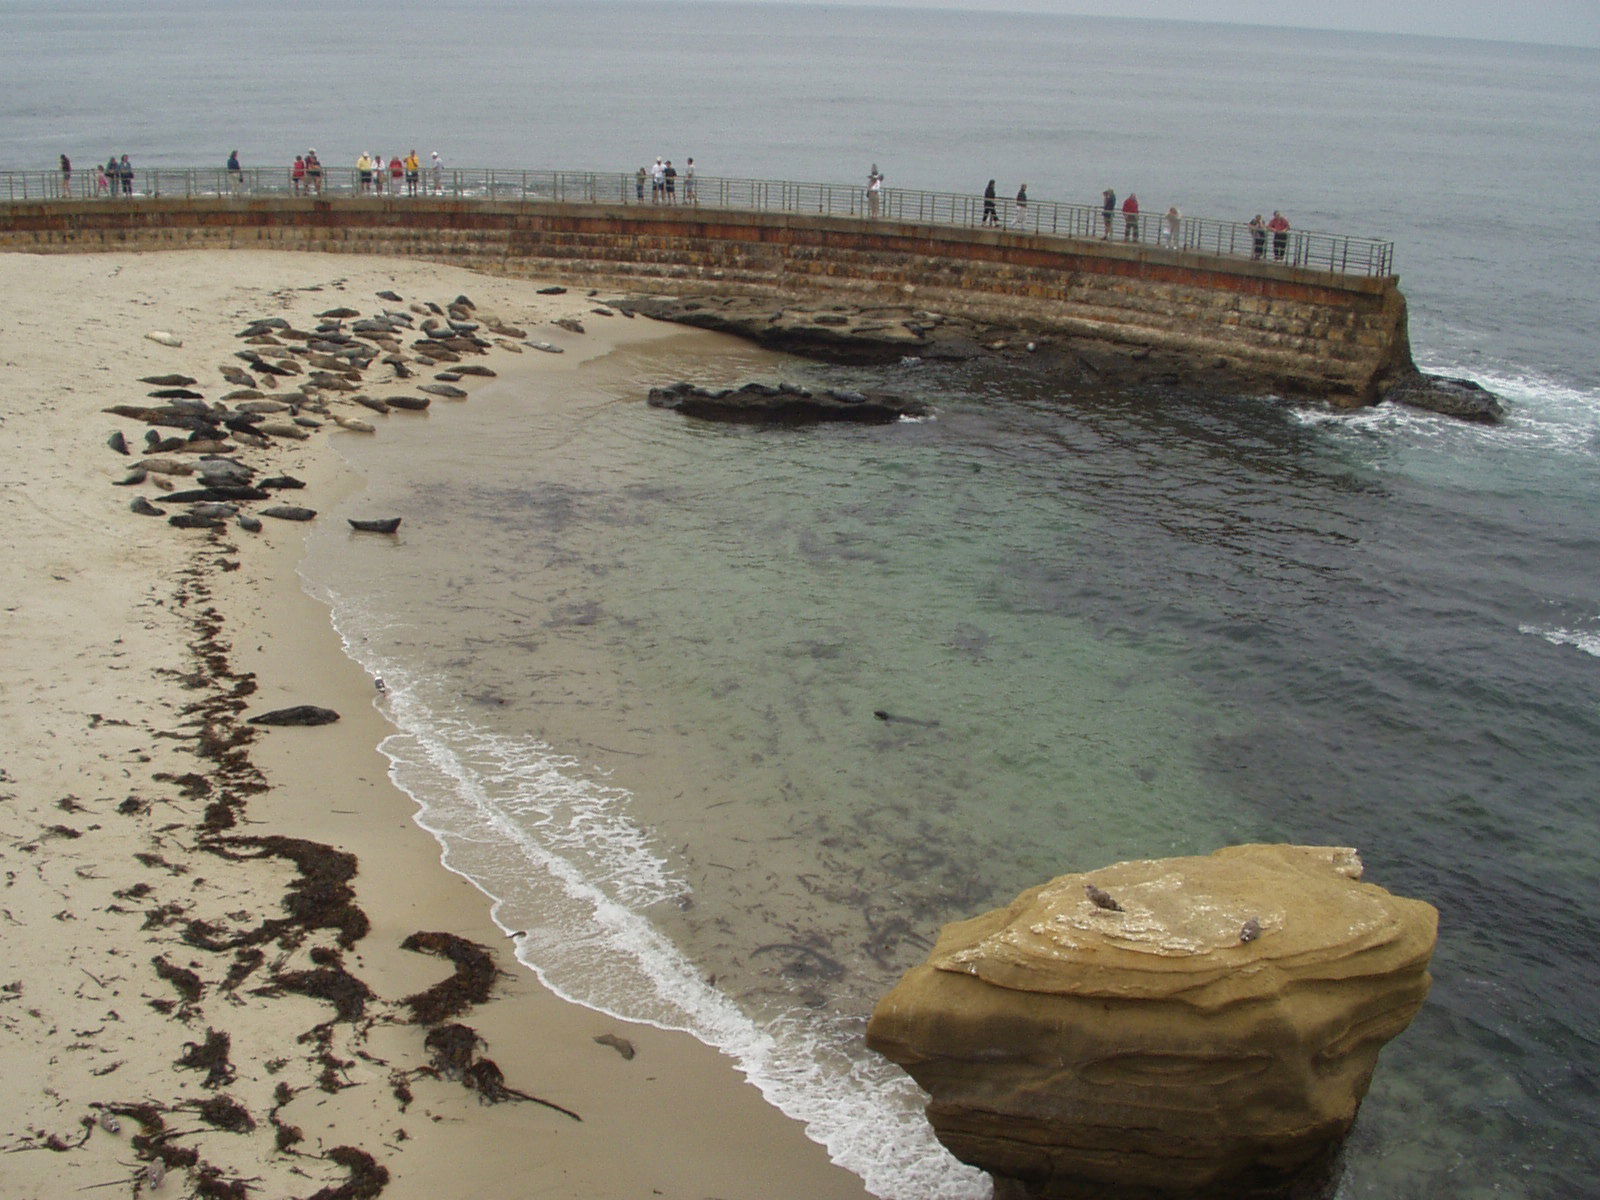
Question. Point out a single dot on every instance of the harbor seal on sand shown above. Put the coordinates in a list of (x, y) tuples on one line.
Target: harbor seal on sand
[(382, 525)]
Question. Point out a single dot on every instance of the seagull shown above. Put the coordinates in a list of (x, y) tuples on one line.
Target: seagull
[(1101, 899)]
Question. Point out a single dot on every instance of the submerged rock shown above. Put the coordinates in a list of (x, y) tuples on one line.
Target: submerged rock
[(784, 405), (1209, 1033), (1452, 397)]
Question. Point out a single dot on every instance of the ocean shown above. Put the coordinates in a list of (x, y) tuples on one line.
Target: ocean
[(633, 661)]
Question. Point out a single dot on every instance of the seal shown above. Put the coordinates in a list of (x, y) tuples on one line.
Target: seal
[(117, 442), (382, 525), (249, 524), (145, 509), (289, 512)]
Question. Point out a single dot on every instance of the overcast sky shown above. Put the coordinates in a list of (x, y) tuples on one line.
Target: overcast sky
[(1561, 22)]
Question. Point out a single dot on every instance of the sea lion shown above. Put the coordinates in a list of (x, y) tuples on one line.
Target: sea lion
[(193, 521), (298, 714), (289, 512), (117, 442), (1100, 898), (145, 509), (381, 525)]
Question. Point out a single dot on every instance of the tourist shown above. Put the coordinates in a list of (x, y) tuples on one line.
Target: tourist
[(874, 192), (1022, 207), (1130, 218), (66, 176), (1258, 237), (638, 184), (1174, 223), (297, 174), (658, 181), (990, 216), (125, 173), (1280, 234), (364, 171), (235, 171), (102, 181), (397, 172), (669, 176), (1108, 208), (377, 173), (437, 169), (413, 173), (690, 194), (313, 171)]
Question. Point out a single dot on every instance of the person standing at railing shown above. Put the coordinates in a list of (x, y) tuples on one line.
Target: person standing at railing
[(438, 173), (235, 171), (364, 172), (1021, 216), (1130, 218), (669, 177), (397, 172), (313, 171), (66, 176), (990, 216), (413, 173), (1108, 210), (1280, 234), (1174, 223), (658, 181), (690, 195), (102, 182), (377, 173), (125, 173), (1258, 237), (874, 192), (297, 174)]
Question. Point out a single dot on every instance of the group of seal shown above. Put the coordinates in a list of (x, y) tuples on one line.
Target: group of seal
[(288, 384)]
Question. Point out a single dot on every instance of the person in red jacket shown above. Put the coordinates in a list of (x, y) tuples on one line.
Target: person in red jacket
[(297, 173), (1130, 218), (1280, 234)]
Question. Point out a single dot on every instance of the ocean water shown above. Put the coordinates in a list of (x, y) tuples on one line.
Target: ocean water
[(632, 661)]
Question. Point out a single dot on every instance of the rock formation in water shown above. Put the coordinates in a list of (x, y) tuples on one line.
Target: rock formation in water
[(757, 403), (1210, 1033)]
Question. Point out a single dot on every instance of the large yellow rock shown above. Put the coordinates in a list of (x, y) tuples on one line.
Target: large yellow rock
[(1214, 1037)]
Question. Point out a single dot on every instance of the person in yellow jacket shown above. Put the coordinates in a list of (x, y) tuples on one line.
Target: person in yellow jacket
[(413, 166), (364, 172)]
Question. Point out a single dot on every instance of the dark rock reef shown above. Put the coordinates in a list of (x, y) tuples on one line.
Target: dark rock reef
[(757, 403)]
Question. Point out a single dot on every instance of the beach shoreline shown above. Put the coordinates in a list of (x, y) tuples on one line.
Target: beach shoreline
[(160, 834)]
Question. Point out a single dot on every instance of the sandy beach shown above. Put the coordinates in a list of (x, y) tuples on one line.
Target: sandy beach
[(209, 961)]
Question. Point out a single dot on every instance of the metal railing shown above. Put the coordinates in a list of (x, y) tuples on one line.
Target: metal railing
[(1308, 249)]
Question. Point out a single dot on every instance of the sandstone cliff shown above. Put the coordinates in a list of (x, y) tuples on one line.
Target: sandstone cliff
[(1199, 1026)]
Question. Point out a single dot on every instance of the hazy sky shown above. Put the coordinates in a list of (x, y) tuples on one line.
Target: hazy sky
[(1561, 22)]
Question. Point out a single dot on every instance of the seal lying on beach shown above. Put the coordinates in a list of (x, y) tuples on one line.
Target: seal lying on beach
[(381, 525)]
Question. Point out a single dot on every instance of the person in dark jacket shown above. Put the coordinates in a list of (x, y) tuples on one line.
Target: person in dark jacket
[(990, 216), (1108, 209)]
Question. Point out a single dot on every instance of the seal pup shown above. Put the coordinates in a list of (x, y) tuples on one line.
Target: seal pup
[(117, 442), (248, 523), (1250, 931), (1101, 898)]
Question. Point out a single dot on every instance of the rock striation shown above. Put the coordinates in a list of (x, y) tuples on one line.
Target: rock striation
[(1188, 1027)]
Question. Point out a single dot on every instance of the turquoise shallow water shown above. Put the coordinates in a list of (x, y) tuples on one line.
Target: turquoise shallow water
[(634, 661)]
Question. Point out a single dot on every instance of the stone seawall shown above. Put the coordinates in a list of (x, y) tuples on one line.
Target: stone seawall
[(1297, 331)]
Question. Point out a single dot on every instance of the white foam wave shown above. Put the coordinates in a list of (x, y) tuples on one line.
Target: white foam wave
[(568, 869), (1587, 640)]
